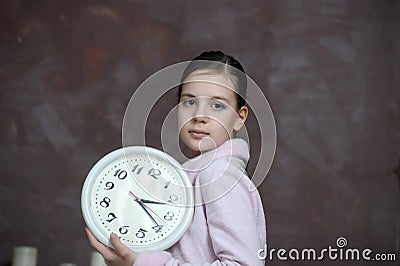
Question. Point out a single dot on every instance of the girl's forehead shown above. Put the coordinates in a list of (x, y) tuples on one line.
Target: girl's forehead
[(208, 77), (208, 89)]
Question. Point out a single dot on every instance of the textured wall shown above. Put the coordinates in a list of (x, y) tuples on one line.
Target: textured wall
[(331, 71)]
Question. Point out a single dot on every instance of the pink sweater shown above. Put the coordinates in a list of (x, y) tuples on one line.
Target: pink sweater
[(228, 226)]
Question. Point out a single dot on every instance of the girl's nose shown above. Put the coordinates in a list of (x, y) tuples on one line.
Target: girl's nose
[(200, 119), (200, 115)]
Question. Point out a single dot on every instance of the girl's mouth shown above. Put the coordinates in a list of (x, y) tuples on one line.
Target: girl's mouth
[(197, 134)]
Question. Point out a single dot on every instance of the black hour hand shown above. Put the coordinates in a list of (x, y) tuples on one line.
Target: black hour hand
[(151, 201)]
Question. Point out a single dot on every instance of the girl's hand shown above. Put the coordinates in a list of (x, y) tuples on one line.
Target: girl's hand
[(120, 256)]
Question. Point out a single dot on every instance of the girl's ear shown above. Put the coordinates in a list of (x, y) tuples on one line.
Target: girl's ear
[(243, 113)]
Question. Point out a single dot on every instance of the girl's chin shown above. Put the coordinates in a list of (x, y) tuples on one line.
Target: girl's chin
[(203, 145)]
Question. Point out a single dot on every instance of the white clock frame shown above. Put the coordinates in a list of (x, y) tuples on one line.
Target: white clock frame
[(86, 203)]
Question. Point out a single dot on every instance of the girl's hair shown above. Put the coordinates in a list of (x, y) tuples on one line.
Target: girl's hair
[(218, 62)]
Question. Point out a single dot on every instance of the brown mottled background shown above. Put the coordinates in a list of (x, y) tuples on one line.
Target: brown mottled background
[(330, 69)]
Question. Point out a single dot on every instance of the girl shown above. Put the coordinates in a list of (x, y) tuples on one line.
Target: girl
[(228, 226)]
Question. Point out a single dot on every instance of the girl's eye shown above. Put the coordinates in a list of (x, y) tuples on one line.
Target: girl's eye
[(218, 106), (188, 102)]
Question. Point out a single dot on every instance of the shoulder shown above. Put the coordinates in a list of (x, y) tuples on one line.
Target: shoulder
[(221, 177), (223, 167)]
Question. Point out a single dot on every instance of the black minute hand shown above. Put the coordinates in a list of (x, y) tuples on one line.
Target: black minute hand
[(145, 208), (139, 201)]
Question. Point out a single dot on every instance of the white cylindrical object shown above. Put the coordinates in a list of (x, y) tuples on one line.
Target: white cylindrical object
[(96, 259), (24, 256)]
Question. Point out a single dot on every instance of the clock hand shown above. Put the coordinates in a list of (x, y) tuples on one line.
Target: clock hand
[(145, 207), (139, 201), (133, 194), (151, 201)]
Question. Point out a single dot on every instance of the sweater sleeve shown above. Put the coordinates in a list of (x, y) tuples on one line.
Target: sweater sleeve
[(231, 222), (232, 215), (152, 258)]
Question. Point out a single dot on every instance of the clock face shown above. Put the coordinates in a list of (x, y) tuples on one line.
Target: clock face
[(142, 195)]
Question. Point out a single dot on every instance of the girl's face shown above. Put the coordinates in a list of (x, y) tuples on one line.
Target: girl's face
[(207, 112)]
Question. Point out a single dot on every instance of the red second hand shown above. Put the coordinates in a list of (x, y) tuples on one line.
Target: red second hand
[(136, 197)]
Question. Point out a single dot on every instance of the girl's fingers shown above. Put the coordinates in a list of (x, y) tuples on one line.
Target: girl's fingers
[(98, 246), (125, 254), (119, 247), (121, 255)]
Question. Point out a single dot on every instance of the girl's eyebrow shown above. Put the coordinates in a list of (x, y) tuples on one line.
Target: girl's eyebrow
[(214, 97)]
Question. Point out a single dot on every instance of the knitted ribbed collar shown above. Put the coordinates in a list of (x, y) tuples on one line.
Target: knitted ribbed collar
[(235, 147)]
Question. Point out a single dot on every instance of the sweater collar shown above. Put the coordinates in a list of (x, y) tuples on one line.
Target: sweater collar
[(235, 147)]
